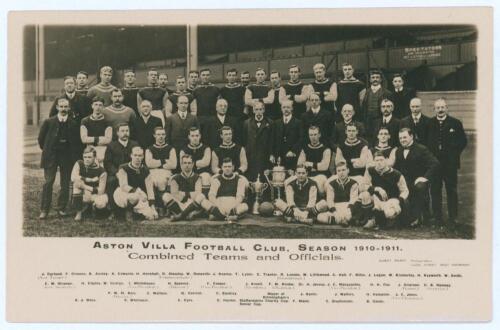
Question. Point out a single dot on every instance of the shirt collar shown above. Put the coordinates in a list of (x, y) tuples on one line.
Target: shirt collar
[(315, 111), (387, 119), (61, 118), (417, 116), (182, 114), (287, 119), (125, 144), (375, 88), (442, 119), (71, 95), (400, 89)]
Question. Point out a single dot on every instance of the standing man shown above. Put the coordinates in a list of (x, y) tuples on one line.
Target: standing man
[(387, 120), (201, 155), (245, 79), (79, 105), (417, 121), (315, 157), (177, 126), (193, 78), (185, 198), (287, 140), (257, 140), (446, 140), (229, 149), (104, 88), (211, 131), (143, 126), (371, 100), (60, 143), (419, 166), (117, 112), (180, 84), (273, 110), (295, 90), (319, 117), (205, 96), (117, 153), (135, 192), (95, 130), (401, 97), (155, 94), (260, 91), (234, 94), (89, 184), (82, 86), (325, 88), (226, 198), (163, 82), (301, 203), (349, 92), (130, 90), (161, 159)]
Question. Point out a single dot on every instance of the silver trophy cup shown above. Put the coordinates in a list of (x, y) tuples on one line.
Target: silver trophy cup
[(258, 189)]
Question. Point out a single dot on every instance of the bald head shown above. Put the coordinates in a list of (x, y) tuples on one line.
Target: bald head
[(415, 106)]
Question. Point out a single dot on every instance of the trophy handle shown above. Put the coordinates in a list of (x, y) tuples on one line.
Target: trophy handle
[(266, 175), (265, 186)]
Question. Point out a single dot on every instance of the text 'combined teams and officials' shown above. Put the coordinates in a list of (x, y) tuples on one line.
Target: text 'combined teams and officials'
[(362, 155)]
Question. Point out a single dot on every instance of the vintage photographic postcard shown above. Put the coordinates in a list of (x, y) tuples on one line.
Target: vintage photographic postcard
[(328, 165)]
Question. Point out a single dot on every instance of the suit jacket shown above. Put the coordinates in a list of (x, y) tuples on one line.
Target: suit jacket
[(402, 102), (324, 120), (258, 145), (80, 106), (142, 132), (393, 127), (286, 138), (419, 130), (211, 130), (420, 162), (116, 154), (47, 139), (177, 130), (453, 143)]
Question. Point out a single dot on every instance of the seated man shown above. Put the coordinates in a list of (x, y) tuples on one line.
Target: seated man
[(227, 194), (201, 155), (95, 130), (135, 192), (161, 159), (354, 152), (89, 184), (229, 149), (341, 197), (301, 198), (185, 197), (389, 193), (383, 146), (315, 157)]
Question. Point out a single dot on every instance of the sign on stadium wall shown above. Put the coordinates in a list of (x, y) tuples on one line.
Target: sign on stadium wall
[(422, 53)]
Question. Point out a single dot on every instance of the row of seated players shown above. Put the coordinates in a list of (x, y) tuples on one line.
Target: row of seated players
[(143, 181), (378, 198)]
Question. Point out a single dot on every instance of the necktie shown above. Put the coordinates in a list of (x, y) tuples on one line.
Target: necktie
[(415, 119)]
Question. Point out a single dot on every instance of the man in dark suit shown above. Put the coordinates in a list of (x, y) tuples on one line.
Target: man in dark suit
[(316, 116), (211, 131), (177, 126), (388, 120), (287, 141), (79, 105), (446, 139), (257, 140), (417, 121), (401, 97), (59, 139), (117, 153), (371, 98), (419, 166), (144, 125)]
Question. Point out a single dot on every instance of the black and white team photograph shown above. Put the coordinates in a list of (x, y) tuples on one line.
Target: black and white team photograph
[(250, 131)]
